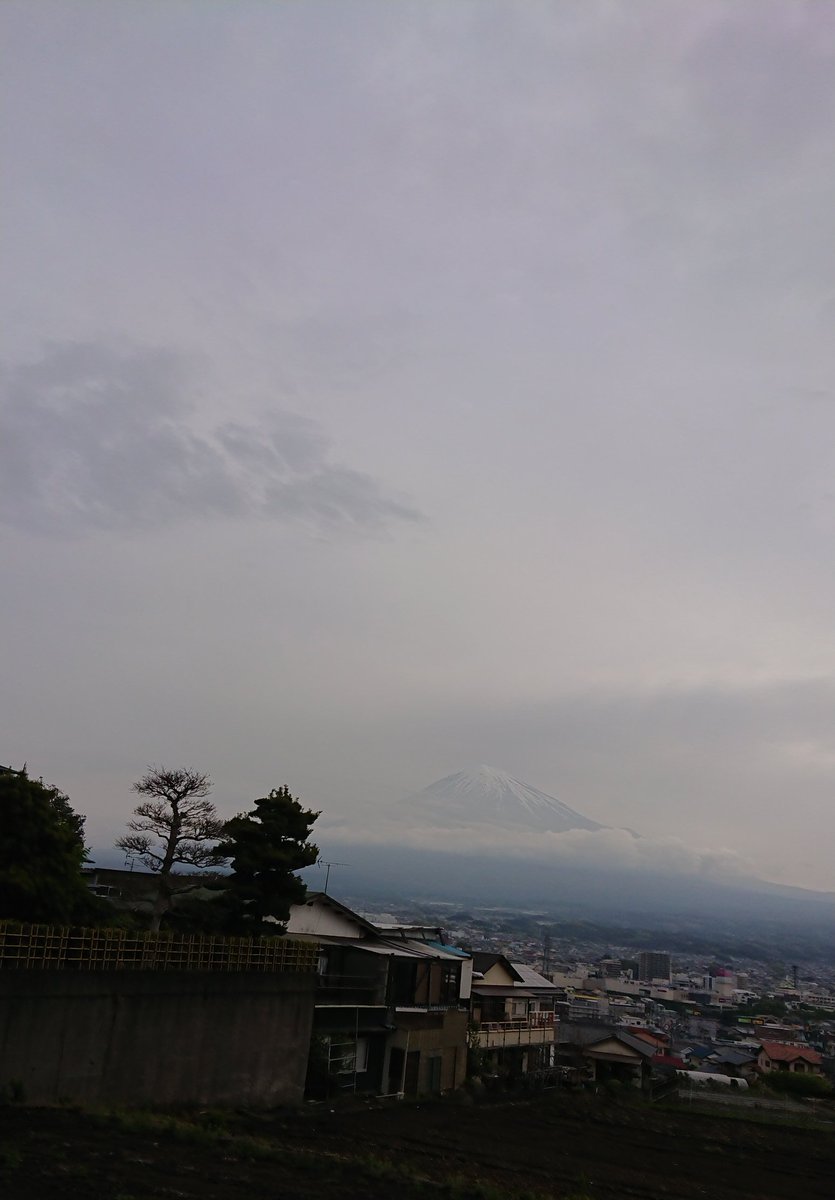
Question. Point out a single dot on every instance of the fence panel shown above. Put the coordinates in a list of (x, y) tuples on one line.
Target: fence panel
[(57, 947)]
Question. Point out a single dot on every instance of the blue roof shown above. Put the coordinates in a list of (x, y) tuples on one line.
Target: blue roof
[(450, 949), (701, 1051)]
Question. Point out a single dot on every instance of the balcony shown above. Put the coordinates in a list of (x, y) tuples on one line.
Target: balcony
[(334, 990), (427, 1008), (537, 1029)]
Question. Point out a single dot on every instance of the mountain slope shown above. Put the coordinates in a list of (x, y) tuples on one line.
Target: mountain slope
[(487, 795)]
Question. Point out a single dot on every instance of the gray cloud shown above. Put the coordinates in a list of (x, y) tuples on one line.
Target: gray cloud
[(102, 438), (612, 848), (564, 272)]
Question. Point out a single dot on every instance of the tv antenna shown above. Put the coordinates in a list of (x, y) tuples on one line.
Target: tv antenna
[(321, 862)]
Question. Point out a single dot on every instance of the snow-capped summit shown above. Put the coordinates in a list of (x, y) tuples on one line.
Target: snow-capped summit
[(492, 796)]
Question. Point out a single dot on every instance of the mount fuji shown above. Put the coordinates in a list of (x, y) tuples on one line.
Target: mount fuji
[(481, 837), (486, 795)]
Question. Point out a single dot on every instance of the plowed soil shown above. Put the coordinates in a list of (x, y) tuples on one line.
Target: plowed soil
[(554, 1146)]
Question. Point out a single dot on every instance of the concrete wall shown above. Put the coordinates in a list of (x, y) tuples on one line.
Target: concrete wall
[(155, 1037)]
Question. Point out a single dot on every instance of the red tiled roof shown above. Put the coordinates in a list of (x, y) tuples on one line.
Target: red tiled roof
[(669, 1060), (780, 1052), (654, 1039)]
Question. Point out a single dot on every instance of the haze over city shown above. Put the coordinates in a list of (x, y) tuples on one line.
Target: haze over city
[(389, 389)]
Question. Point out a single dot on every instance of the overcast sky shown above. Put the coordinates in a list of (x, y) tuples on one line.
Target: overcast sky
[(389, 388)]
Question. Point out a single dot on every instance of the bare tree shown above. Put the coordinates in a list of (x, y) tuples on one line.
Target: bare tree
[(175, 825)]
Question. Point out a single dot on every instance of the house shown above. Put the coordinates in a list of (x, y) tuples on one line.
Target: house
[(506, 991), (512, 1016), (390, 1011), (778, 1056), (738, 1062), (669, 1062), (595, 1053), (658, 1041), (694, 1056)]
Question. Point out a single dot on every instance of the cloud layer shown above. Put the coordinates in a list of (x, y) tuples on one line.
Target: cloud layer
[(615, 849), (99, 438)]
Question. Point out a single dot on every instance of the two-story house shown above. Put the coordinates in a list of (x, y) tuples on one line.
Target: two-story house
[(391, 1003), (512, 1014)]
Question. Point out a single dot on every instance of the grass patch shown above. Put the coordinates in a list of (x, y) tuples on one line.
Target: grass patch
[(751, 1116)]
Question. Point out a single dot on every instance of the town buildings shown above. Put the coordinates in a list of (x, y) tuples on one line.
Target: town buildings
[(653, 965)]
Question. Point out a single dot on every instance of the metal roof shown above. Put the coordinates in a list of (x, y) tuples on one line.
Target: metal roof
[(368, 946), (532, 978), (394, 948)]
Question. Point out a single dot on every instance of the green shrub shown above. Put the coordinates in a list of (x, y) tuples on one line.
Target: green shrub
[(795, 1084)]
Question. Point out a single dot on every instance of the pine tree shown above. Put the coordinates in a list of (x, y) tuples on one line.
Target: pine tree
[(176, 825), (267, 846)]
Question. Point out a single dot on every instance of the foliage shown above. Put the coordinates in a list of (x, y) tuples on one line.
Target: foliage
[(175, 826), (266, 846), (795, 1083), (477, 1057), (201, 908), (41, 853), (761, 1008)]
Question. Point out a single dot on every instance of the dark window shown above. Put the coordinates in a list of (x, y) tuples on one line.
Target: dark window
[(450, 983), (404, 981)]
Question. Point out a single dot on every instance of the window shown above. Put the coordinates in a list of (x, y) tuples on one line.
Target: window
[(348, 1057), (450, 988), (404, 981)]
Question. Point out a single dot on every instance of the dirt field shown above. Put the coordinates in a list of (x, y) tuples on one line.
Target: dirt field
[(554, 1146)]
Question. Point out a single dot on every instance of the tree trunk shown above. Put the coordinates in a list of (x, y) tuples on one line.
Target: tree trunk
[(162, 903)]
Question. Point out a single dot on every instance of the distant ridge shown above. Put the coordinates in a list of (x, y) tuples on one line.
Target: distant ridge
[(486, 795)]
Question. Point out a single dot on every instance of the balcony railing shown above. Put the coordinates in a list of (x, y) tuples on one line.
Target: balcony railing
[(534, 1020), (336, 989), (538, 1029)]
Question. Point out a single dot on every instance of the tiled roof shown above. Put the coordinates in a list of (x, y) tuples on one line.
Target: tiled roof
[(646, 1035), (669, 1060), (732, 1057), (780, 1052), (592, 1035)]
